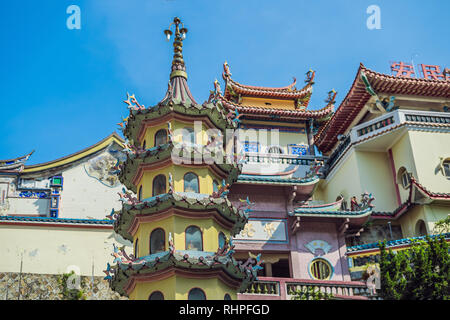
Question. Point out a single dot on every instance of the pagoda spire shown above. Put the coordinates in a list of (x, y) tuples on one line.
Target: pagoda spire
[(178, 90)]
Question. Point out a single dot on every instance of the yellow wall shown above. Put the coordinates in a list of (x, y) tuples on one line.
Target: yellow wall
[(205, 179), (430, 214), (427, 148), (177, 287), (274, 103), (149, 135), (143, 291), (339, 182), (376, 178), (177, 226), (403, 157), (360, 172)]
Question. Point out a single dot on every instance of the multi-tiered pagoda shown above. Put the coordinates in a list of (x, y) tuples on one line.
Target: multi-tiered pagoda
[(181, 222)]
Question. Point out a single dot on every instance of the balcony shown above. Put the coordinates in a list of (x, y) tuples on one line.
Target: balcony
[(385, 123), (268, 288), (269, 158)]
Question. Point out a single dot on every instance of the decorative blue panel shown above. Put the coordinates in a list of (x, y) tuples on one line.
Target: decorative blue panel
[(33, 194), (250, 146), (298, 149)]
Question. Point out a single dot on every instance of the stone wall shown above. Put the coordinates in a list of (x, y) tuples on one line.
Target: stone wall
[(46, 287)]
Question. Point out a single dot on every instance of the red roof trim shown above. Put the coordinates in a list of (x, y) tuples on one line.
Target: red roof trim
[(357, 97)]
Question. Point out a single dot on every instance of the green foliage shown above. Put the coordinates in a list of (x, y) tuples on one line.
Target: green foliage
[(70, 294), (419, 273), (311, 294), (442, 226)]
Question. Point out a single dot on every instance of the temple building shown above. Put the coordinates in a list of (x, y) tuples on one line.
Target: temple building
[(301, 238), (252, 194), (391, 135), (181, 221)]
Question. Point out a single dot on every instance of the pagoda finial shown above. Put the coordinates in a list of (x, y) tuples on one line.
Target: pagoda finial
[(178, 89), (178, 67)]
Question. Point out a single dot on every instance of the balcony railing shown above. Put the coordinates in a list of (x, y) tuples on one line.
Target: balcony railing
[(264, 287), (384, 123), (305, 160), (285, 288)]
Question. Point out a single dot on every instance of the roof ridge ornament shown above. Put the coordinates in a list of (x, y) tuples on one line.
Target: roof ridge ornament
[(331, 99), (310, 76), (226, 70)]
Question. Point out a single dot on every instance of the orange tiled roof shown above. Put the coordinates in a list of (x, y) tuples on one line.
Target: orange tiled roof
[(358, 96), (284, 113)]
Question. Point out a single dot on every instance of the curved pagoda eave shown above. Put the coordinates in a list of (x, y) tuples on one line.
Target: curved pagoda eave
[(126, 275), (199, 204), (215, 114), (320, 115), (163, 155)]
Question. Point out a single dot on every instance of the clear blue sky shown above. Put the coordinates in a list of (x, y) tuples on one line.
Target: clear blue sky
[(62, 89)]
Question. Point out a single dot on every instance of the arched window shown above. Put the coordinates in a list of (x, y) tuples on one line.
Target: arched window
[(136, 248), (215, 186), (160, 137), (191, 182), (446, 168), (222, 240), (403, 177), (196, 294), (140, 193), (159, 185), (144, 145), (321, 269), (227, 297), (194, 238), (421, 228), (156, 295), (157, 241), (188, 136)]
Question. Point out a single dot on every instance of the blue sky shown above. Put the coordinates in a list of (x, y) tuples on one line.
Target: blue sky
[(62, 90)]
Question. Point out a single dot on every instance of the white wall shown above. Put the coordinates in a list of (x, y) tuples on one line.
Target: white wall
[(51, 250), (84, 196)]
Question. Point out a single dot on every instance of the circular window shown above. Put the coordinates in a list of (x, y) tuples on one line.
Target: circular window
[(320, 269)]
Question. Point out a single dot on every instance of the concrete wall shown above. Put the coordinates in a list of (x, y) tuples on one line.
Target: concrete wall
[(51, 250), (28, 206)]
